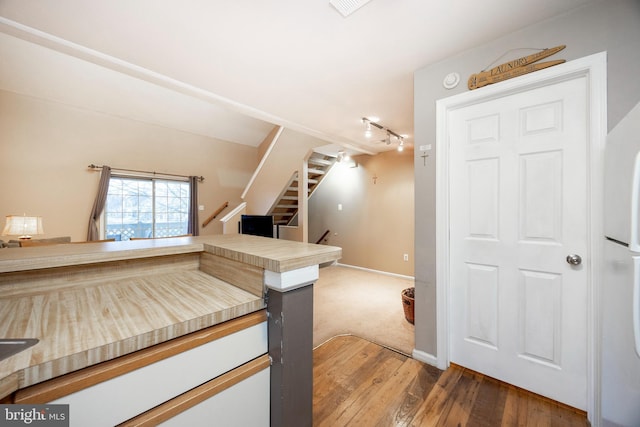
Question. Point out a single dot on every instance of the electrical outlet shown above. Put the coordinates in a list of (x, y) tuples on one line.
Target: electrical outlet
[(406, 257)]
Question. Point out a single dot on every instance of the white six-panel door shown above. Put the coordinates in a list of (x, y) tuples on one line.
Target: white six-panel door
[(518, 208)]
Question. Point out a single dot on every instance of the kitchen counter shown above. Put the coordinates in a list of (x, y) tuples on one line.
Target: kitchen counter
[(88, 303), (271, 254)]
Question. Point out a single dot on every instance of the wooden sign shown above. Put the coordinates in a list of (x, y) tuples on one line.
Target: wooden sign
[(514, 68)]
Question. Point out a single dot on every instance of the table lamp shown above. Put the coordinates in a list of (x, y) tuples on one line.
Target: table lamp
[(23, 226)]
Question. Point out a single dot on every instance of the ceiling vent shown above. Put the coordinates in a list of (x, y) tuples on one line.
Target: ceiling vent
[(347, 7)]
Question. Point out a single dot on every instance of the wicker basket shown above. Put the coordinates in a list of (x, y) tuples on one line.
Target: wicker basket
[(408, 299)]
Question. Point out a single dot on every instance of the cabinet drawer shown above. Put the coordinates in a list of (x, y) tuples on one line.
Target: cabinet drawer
[(246, 404), (237, 398)]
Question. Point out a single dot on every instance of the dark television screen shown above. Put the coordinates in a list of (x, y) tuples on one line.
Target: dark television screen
[(257, 225)]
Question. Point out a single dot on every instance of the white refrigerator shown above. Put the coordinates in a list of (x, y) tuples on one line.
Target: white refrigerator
[(620, 292)]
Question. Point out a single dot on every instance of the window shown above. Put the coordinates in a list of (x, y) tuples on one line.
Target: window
[(143, 207)]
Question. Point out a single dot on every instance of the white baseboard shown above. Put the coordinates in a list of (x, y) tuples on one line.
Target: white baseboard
[(401, 276), (424, 357)]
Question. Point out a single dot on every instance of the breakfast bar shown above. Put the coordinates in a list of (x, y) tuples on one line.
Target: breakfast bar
[(163, 330)]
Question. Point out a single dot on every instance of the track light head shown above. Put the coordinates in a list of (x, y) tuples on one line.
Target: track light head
[(367, 131)]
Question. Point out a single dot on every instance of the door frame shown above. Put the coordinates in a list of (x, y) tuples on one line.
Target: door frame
[(594, 68)]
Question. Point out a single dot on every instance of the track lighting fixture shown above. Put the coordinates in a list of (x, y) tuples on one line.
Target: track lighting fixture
[(344, 159), (370, 123)]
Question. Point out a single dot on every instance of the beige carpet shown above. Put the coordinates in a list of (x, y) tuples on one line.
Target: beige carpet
[(362, 303)]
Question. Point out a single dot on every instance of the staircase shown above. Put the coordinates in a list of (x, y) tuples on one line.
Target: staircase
[(285, 209)]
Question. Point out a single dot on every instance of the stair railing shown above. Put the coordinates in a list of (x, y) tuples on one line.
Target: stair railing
[(215, 214), (323, 236)]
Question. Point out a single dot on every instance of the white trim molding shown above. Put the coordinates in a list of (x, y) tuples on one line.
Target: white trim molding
[(386, 273), (424, 357), (275, 135), (235, 211), (293, 279)]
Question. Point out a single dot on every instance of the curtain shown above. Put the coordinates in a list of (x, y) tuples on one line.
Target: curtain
[(192, 227), (98, 205)]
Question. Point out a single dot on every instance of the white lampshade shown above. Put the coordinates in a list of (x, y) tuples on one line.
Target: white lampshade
[(23, 226)]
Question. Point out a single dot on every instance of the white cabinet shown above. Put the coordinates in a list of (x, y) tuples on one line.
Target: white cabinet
[(242, 405), (211, 373), (116, 400)]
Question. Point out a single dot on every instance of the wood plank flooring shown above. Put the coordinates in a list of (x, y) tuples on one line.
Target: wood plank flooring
[(359, 383)]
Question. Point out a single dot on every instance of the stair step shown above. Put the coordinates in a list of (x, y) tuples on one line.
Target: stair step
[(318, 161), (310, 180), (315, 174), (293, 189)]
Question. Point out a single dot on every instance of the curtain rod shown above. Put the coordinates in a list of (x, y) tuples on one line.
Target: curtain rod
[(92, 166)]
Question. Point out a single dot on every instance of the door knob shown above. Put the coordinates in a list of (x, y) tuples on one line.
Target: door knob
[(574, 259)]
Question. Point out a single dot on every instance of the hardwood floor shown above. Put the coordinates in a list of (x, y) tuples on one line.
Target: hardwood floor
[(359, 383)]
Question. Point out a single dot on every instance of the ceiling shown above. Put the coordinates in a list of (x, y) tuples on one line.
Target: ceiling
[(231, 70)]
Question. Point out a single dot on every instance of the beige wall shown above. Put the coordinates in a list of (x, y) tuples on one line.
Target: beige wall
[(375, 227), (45, 148)]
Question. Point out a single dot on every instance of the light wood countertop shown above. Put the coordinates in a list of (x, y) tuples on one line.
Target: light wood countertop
[(271, 254), (89, 303)]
